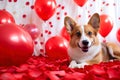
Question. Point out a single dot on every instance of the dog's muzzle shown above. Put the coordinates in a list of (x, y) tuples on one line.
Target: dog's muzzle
[(85, 46), (84, 49)]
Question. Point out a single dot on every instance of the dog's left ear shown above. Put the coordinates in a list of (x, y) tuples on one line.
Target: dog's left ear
[(95, 21)]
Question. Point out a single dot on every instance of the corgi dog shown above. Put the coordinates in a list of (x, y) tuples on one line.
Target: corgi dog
[(84, 45)]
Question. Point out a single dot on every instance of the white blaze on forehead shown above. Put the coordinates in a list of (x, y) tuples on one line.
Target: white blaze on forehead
[(83, 36)]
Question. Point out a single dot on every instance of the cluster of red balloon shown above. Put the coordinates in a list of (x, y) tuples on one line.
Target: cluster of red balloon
[(46, 8), (16, 45), (56, 47)]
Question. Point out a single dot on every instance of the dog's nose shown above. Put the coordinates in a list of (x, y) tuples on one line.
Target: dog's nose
[(85, 42)]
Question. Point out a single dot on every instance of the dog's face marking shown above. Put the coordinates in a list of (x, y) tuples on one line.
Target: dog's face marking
[(83, 36), (86, 39)]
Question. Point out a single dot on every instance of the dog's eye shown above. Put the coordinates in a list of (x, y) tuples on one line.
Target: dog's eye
[(89, 33), (78, 34)]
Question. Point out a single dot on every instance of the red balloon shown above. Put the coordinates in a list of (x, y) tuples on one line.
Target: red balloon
[(118, 35), (45, 8), (16, 45), (6, 17), (32, 30), (80, 2), (56, 48), (106, 25), (65, 34)]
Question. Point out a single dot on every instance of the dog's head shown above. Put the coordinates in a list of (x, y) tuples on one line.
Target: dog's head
[(83, 36)]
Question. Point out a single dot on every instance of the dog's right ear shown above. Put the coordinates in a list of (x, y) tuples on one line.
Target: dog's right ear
[(95, 21), (69, 24)]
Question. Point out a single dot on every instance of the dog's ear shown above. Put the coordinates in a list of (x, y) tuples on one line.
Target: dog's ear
[(69, 24), (95, 21)]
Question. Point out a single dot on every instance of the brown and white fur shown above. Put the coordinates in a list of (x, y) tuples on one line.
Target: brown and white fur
[(84, 46)]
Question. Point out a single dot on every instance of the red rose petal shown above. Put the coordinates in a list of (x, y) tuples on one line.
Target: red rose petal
[(98, 78), (114, 72), (75, 76), (7, 76), (3, 70), (34, 73), (59, 73), (19, 76), (23, 68), (96, 69), (11, 69), (32, 66), (52, 77), (41, 68)]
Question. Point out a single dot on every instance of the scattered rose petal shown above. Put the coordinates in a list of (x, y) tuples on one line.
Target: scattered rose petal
[(22, 68), (114, 72), (7, 76), (41, 68), (34, 73)]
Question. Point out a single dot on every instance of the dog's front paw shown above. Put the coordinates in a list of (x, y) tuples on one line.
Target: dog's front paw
[(73, 64), (81, 65)]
